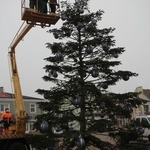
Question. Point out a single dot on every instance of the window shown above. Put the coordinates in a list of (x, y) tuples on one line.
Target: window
[(3, 106), (146, 108), (32, 108)]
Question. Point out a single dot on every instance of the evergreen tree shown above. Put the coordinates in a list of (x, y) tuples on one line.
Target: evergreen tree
[(81, 67)]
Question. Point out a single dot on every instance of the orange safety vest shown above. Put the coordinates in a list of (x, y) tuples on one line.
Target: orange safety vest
[(7, 117)]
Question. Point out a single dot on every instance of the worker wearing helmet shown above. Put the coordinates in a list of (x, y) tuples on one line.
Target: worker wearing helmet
[(6, 119)]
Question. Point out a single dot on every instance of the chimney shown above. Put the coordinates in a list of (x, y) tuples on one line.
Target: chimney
[(1, 89)]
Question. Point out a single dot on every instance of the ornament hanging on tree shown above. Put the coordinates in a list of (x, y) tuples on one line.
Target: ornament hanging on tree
[(63, 17), (59, 56), (128, 108), (44, 127), (115, 55), (125, 77), (55, 75), (55, 35), (89, 49), (94, 22), (76, 100), (81, 11), (46, 96), (95, 72), (141, 130), (105, 47), (80, 143), (80, 25), (104, 85)]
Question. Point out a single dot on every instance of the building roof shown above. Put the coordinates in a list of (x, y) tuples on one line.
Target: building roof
[(10, 95), (5, 95)]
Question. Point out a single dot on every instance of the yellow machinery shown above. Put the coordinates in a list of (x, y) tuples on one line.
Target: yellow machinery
[(20, 125), (15, 139)]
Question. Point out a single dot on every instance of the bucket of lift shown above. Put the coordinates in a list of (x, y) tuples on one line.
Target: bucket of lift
[(32, 15)]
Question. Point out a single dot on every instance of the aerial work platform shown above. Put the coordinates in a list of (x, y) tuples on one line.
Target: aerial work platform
[(31, 15)]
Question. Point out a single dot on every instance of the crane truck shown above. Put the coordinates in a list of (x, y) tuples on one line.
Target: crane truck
[(16, 137)]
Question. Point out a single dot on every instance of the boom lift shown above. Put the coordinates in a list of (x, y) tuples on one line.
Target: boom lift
[(15, 139)]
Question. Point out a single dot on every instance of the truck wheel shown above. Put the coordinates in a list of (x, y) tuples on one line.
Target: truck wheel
[(17, 146)]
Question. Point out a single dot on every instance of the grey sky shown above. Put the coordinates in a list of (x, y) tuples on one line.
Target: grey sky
[(129, 17)]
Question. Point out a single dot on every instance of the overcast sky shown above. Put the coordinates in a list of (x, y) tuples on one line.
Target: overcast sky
[(130, 18)]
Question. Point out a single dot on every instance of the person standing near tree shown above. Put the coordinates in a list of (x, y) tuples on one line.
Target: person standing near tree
[(6, 119), (53, 4)]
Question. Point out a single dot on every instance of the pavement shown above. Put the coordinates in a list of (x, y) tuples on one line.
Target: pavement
[(104, 137)]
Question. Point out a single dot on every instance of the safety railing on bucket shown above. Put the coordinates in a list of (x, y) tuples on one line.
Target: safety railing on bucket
[(41, 6)]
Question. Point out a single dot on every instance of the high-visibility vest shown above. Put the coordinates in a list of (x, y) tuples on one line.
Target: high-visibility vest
[(7, 116)]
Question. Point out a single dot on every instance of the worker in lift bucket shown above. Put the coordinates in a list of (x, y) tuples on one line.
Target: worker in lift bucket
[(53, 4), (33, 4), (7, 119)]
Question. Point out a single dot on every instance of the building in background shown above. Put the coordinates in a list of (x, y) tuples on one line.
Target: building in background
[(144, 109), (31, 107)]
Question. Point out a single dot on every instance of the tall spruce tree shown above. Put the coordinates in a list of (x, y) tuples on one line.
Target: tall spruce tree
[(81, 68)]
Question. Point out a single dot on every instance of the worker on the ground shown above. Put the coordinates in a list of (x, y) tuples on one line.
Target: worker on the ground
[(7, 119)]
